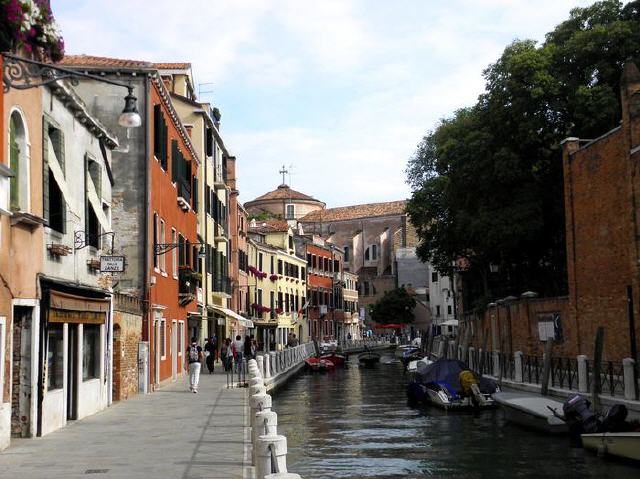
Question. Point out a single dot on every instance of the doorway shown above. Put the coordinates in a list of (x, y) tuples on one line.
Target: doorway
[(21, 382), (174, 349), (72, 371)]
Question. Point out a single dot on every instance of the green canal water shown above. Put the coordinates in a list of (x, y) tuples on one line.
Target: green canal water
[(356, 423)]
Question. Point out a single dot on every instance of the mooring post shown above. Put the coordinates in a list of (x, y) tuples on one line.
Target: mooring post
[(517, 361), (628, 366), (583, 380), (271, 453)]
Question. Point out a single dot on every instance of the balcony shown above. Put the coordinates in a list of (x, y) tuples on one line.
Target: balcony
[(184, 195), (187, 285), (221, 286)]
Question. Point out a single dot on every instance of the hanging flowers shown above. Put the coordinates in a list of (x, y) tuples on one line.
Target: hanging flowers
[(29, 24), (256, 272), (273, 277), (278, 310)]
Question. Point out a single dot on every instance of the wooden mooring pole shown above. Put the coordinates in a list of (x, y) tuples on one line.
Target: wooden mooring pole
[(596, 389), (546, 366)]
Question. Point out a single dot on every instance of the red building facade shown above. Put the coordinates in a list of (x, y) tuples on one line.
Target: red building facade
[(174, 265)]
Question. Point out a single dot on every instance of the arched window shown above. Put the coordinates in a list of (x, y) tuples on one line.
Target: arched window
[(371, 253), (19, 163)]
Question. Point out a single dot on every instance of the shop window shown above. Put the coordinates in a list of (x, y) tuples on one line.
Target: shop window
[(90, 351), (55, 357)]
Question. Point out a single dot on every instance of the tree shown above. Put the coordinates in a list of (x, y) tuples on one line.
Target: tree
[(487, 183), (395, 306)]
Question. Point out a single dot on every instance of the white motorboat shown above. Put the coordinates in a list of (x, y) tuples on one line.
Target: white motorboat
[(620, 444), (418, 365), (532, 411)]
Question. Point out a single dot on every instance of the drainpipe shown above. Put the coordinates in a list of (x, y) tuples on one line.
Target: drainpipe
[(146, 292)]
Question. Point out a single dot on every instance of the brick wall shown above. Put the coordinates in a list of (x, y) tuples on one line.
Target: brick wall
[(127, 321)]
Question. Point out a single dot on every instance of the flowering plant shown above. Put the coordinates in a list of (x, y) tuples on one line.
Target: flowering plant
[(273, 277), (29, 24), (278, 310)]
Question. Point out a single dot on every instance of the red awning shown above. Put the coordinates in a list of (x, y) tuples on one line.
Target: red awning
[(390, 326)]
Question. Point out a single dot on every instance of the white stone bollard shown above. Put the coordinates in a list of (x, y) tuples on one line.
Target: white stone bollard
[(260, 361), (265, 423), (582, 374), (517, 359), (256, 382), (274, 364), (629, 386), (258, 402), (257, 389), (472, 364), (264, 445), (283, 475), (267, 365)]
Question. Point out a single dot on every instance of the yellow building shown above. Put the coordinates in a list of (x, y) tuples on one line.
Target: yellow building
[(277, 281)]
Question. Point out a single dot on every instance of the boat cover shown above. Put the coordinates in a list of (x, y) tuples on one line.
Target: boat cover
[(448, 371)]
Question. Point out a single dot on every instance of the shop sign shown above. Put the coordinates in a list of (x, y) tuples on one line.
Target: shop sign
[(111, 264)]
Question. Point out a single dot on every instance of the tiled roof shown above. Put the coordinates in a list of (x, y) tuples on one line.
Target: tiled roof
[(283, 192), (270, 226), (93, 61), (172, 66), (357, 211)]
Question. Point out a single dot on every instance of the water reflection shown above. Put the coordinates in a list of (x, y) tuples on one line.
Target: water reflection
[(355, 423)]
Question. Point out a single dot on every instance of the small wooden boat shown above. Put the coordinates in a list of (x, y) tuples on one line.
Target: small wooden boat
[(620, 444), (368, 358), (335, 358), (532, 411)]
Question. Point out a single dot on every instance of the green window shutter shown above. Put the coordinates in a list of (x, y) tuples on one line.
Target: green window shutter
[(61, 159), (165, 141), (45, 171), (157, 131), (175, 161), (194, 193), (14, 164)]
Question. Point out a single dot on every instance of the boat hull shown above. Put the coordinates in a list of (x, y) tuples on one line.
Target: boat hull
[(620, 444), (435, 395), (532, 411), (336, 359), (368, 359)]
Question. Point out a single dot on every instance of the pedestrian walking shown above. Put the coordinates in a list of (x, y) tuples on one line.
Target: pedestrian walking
[(247, 348), (237, 348), (254, 347), (224, 352), (193, 365), (209, 354), (214, 340)]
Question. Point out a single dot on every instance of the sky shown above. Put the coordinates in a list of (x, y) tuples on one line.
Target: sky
[(340, 92)]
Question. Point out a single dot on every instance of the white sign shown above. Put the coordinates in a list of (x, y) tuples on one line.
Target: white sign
[(111, 264)]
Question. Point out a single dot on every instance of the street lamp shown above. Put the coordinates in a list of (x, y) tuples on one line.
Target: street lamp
[(23, 73)]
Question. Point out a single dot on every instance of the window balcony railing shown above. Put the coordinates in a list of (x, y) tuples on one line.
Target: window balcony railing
[(188, 282)]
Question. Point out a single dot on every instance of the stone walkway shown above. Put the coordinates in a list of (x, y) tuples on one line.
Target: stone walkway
[(171, 433)]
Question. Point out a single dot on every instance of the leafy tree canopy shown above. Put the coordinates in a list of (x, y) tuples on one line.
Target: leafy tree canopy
[(395, 306), (487, 182)]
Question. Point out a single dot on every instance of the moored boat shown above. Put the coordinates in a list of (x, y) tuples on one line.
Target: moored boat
[(405, 350), (450, 384), (319, 364), (620, 444), (532, 411), (335, 358)]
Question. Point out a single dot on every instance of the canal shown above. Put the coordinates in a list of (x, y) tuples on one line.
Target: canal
[(355, 423)]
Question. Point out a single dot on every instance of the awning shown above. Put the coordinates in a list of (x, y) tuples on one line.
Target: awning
[(247, 323), (69, 308)]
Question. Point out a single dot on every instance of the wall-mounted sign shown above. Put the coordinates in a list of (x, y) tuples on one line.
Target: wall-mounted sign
[(111, 264)]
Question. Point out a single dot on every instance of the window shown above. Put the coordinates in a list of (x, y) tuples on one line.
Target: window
[(54, 205), (271, 260), (438, 310), (366, 288), (367, 255), (279, 266), (90, 351), (163, 261), (308, 259), (272, 305), (346, 254), (55, 357), (291, 212), (434, 277), (174, 254), (290, 242), (313, 261), (162, 336), (374, 252), (19, 163), (160, 136), (260, 261), (449, 309), (94, 171)]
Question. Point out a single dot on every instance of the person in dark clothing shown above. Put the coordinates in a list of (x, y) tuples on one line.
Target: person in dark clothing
[(210, 353), (247, 347)]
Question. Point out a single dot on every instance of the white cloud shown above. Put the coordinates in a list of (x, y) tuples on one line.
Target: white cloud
[(380, 73)]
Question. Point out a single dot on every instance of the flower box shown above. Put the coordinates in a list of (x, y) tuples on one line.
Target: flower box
[(57, 249)]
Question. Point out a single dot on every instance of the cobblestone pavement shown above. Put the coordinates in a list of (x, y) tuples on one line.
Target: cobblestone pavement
[(171, 433)]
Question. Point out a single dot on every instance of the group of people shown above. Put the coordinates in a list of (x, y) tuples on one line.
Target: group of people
[(234, 352)]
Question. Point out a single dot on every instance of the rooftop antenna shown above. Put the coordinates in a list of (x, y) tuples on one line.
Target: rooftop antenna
[(206, 90), (283, 172)]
